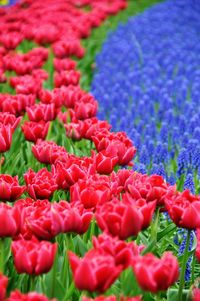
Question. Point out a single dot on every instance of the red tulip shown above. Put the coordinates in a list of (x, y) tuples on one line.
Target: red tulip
[(91, 192), (195, 294), (70, 95), (86, 107), (28, 84), (11, 40), (3, 78), (10, 189), (35, 130), (6, 132), (48, 151), (46, 33), (71, 170), (197, 252), (119, 219), (105, 164), (112, 298), (64, 64), (150, 188), (41, 184), (17, 296), (33, 257), (67, 47), (115, 144), (122, 251), (9, 119), (99, 270), (85, 128), (154, 274), (93, 125), (3, 287), (16, 104), (10, 219), (73, 217), (39, 112), (56, 96), (39, 219), (147, 209), (184, 209), (66, 78)]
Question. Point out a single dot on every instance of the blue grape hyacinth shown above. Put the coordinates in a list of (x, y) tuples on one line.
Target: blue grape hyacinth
[(147, 82)]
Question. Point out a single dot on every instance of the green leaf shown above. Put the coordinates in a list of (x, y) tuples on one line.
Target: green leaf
[(172, 227), (129, 283), (172, 295)]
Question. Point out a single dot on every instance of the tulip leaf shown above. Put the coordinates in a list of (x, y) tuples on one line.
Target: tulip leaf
[(172, 295), (59, 291), (129, 284), (166, 231), (81, 245)]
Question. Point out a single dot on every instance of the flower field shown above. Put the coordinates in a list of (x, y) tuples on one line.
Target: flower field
[(99, 191)]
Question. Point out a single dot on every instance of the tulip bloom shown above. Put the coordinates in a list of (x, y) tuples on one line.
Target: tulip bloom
[(86, 107), (7, 118), (122, 251), (39, 219), (6, 132), (99, 270), (16, 104), (119, 219), (184, 209), (45, 112), (33, 257), (41, 184), (197, 252), (112, 298), (17, 296), (90, 192), (115, 144), (3, 287), (195, 294), (10, 220), (35, 130), (69, 172), (147, 209), (73, 217), (10, 189), (151, 188), (154, 274), (105, 164), (66, 78), (48, 151)]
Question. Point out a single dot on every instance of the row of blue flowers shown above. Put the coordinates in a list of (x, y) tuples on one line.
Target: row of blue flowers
[(147, 82)]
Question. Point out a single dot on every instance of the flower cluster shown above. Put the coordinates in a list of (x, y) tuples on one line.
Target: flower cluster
[(65, 188)]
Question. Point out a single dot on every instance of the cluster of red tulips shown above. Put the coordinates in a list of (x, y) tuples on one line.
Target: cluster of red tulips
[(120, 203)]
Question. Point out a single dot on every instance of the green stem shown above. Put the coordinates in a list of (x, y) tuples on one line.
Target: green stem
[(49, 131), (42, 284), (154, 232), (157, 297), (183, 268), (65, 261), (53, 278), (2, 255), (193, 266), (154, 226), (1, 157), (32, 283), (69, 292)]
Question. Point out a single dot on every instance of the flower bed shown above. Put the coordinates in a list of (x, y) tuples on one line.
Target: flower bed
[(151, 70), (74, 224)]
